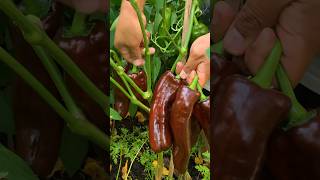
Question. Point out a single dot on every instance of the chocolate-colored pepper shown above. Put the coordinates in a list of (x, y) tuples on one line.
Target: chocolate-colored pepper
[(246, 113), (180, 123), (38, 127), (163, 97), (89, 53), (299, 147), (201, 112)]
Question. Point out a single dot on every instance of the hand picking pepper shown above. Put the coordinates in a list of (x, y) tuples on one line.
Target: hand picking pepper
[(246, 113), (180, 123), (38, 127), (89, 53), (298, 144), (164, 95)]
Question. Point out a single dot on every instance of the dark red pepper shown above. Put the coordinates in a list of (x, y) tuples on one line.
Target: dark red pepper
[(180, 123), (164, 95), (201, 112), (298, 146), (89, 53), (38, 127), (246, 113)]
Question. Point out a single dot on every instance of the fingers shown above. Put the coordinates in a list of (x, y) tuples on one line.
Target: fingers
[(253, 17), (203, 72)]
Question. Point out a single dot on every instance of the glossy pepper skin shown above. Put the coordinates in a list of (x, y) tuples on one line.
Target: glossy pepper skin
[(299, 150), (38, 127), (221, 68), (164, 94), (180, 123), (89, 53), (245, 115), (201, 112)]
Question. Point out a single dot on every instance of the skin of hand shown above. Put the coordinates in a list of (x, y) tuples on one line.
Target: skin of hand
[(128, 35), (87, 6), (198, 61), (247, 32)]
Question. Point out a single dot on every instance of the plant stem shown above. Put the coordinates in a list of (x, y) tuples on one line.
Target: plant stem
[(147, 65), (188, 36), (298, 114), (194, 83), (218, 47), (134, 101), (114, 24), (134, 159), (116, 57), (78, 26), (264, 76), (160, 166), (119, 165), (202, 96), (82, 127)]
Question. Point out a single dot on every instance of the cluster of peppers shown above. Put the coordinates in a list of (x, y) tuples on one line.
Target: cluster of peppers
[(38, 127)]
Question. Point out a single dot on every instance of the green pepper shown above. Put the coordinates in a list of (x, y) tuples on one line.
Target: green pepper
[(198, 30)]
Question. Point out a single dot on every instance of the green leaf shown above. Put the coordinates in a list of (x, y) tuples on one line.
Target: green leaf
[(114, 115), (156, 64), (6, 113), (133, 109), (73, 151), (12, 167), (38, 8), (157, 21)]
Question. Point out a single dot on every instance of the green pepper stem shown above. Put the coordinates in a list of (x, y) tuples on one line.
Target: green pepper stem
[(134, 101), (188, 36), (81, 127), (264, 76), (159, 166), (114, 24), (134, 69), (34, 35), (202, 96), (298, 114), (194, 83), (78, 26), (116, 57), (218, 47), (147, 65)]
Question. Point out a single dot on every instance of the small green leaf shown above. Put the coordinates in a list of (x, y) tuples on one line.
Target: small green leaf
[(157, 21), (73, 151), (156, 64), (12, 167), (133, 109), (114, 115)]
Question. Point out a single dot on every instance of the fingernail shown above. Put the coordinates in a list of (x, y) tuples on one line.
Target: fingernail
[(234, 42), (183, 75)]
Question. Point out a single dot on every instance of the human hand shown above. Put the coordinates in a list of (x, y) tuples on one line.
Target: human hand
[(198, 61), (246, 32), (128, 35), (87, 6)]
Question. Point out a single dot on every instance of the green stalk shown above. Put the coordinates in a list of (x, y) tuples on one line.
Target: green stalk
[(134, 101), (114, 24), (202, 96), (35, 36), (264, 76), (147, 65), (160, 166), (298, 114), (218, 48), (116, 57), (188, 36), (78, 26), (83, 128), (194, 83)]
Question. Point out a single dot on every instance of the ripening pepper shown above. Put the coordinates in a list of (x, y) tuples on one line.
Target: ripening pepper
[(298, 143), (163, 97), (246, 113), (180, 123), (201, 112), (38, 128), (89, 53)]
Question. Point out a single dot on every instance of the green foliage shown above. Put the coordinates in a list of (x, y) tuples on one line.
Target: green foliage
[(114, 115), (204, 171)]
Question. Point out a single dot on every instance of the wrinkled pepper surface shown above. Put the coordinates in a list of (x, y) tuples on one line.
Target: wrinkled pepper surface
[(38, 127), (180, 122), (89, 53), (298, 145), (159, 129), (246, 113)]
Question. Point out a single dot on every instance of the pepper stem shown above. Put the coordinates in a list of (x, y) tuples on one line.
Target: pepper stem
[(298, 114), (264, 76), (194, 83), (78, 26), (218, 48), (202, 96)]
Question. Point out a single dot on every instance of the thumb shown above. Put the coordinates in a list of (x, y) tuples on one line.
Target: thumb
[(253, 17)]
